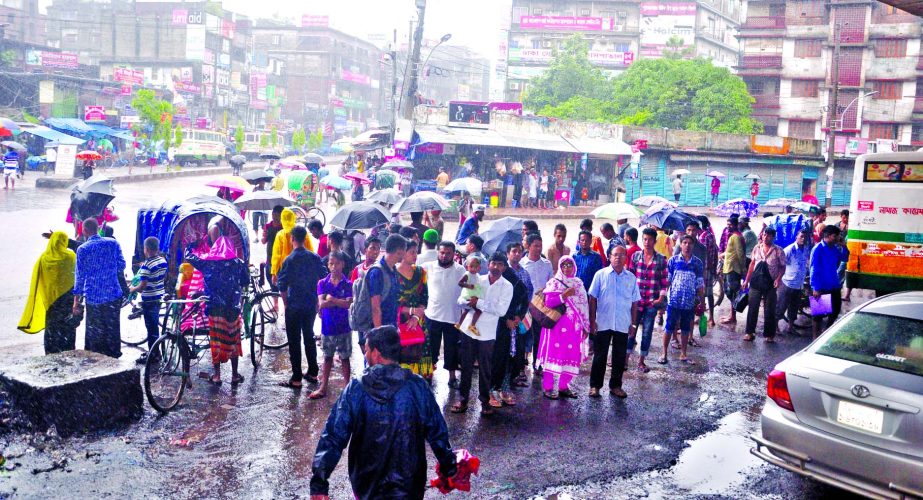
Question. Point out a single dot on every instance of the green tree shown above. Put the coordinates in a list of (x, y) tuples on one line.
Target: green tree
[(156, 116), (581, 108), (683, 94), (570, 74), (264, 140), (676, 49), (239, 138), (298, 139), (178, 136), (274, 136)]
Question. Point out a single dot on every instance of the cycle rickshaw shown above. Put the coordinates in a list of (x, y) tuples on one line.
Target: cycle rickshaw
[(184, 326), (302, 186)]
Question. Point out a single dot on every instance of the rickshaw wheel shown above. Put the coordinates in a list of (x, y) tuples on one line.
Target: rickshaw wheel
[(265, 323), (256, 345), (132, 330), (316, 213), (166, 373)]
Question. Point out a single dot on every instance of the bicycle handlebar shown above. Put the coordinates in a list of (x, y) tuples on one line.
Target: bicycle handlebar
[(203, 299)]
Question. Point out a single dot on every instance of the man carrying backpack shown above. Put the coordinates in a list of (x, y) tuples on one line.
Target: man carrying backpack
[(377, 292)]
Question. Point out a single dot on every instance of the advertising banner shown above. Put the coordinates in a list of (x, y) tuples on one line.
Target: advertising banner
[(67, 160), (309, 21), (94, 113), (195, 43), (566, 23), (518, 55), (355, 77), (128, 75), (662, 21), (45, 59)]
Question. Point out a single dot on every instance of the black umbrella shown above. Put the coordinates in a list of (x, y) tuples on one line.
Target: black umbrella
[(360, 215), (238, 160), (91, 197), (270, 156), (501, 233), (263, 200), (666, 216), (257, 176)]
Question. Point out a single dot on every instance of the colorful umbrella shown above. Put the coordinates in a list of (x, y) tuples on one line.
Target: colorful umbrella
[(667, 216), (466, 184), (651, 200), (8, 127), (230, 182), (106, 144), (741, 206), (337, 182), (358, 177), (360, 215), (616, 211), (423, 201), (14, 145), (89, 155)]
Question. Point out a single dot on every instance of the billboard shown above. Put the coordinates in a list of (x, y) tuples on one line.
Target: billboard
[(63, 60), (662, 21), (309, 21), (598, 57), (566, 23), (195, 43), (94, 113), (128, 75)]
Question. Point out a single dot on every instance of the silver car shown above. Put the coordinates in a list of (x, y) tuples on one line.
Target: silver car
[(848, 409)]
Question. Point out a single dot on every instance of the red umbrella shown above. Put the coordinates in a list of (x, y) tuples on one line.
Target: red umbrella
[(358, 177), (8, 127), (89, 155)]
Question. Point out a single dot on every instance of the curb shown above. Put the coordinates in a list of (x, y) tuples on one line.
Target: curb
[(64, 183)]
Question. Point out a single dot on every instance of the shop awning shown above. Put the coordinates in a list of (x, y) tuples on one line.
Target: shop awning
[(71, 125), (102, 130), (541, 142), (597, 146), (52, 135), (460, 135), (125, 135)]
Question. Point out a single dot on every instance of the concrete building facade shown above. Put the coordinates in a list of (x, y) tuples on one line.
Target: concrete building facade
[(619, 32), (787, 63)]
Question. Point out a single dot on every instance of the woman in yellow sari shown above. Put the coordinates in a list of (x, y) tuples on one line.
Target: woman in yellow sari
[(51, 296)]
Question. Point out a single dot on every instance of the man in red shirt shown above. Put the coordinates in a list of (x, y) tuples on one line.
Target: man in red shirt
[(631, 242)]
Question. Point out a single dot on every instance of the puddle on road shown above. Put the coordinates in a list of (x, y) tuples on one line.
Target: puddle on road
[(714, 463)]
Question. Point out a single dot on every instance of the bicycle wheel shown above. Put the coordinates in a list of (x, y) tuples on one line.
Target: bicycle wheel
[(265, 323), (166, 373), (301, 217), (133, 332), (316, 213), (718, 291)]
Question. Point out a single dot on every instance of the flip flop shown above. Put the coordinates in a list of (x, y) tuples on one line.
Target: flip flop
[(687, 361), (459, 408), (317, 395), (662, 361), (213, 381), (237, 379), (290, 384)]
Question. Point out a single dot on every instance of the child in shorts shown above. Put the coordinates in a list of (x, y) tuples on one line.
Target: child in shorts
[(471, 287), (335, 294)]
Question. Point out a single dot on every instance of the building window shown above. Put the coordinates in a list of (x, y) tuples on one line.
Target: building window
[(757, 87), (808, 48), (887, 90), (917, 137), (882, 131), (276, 39), (891, 48), (770, 129), (801, 129), (585, 12), (537, 12), (621, 47), (804, 88)]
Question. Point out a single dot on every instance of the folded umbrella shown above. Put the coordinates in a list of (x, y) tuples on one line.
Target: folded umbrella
[(423, 201), (387, 196), (616, 211), (360, 215), (500, 234), (742, 206), (257, 176), (262, 200), (666, 216)]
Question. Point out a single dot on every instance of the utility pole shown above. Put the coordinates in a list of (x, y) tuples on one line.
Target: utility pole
[(414, 64), (832, 111), (392, 108)]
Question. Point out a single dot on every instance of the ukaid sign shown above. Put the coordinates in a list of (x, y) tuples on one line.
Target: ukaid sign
[(662, 21)]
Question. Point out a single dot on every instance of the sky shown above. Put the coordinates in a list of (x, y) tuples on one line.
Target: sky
[(472, 23)]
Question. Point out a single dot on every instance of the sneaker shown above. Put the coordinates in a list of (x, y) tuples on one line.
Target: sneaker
[(142, 359), (495, 399), (135, 313), (618, 392)]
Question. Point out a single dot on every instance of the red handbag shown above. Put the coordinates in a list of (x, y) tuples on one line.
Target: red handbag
[(409, 328)]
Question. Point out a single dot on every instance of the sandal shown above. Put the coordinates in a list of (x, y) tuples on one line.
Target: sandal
[(662, 361), (687, 361), (550, 395), (459, 407), (643, 368), (674, 344), (749, 337), (237, 379), (769, 340), (317, 395), (291, 384)]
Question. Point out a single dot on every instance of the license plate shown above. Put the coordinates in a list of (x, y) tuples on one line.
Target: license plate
[(860, 416)]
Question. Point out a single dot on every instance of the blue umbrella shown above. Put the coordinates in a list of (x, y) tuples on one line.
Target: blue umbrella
[(501, 233), (740, 206), (337, 182), (666, 216)]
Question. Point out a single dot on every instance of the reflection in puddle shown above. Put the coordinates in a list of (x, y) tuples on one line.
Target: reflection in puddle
[(714, 462)]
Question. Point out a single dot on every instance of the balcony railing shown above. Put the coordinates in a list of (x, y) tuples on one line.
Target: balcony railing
[(761, 62), (766, 102), (764, 22)]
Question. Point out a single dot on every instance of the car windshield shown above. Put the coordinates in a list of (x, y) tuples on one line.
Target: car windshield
[(879, 340)]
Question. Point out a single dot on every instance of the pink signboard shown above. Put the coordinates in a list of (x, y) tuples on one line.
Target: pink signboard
[(189, 88), (565, 23), (179, 16), (430, 149), (94, 114), (127, 75), (355, 77), (64, 60), (668, 9), (309, 21), (866, 206)]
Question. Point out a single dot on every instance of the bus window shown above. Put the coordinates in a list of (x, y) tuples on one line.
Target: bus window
[(893, 172)]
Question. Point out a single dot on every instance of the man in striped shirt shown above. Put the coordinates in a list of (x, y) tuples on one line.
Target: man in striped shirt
[(10, 168), (650, 268), (151, 285)]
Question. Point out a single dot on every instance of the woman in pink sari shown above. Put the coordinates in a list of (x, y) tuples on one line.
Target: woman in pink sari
[(563, 347)]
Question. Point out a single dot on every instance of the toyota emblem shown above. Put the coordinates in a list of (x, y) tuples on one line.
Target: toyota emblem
[(860, 391)]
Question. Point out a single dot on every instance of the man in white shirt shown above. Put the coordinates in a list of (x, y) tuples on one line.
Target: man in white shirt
[(677, 187), (539, 269), (442, 310), (429, 252), (51, 157), (498, 293)]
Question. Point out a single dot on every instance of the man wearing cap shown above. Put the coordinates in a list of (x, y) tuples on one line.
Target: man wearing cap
[(429, 254), (471, 225)]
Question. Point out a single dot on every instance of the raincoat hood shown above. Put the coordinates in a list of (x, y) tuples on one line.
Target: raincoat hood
[(223, 249), (288, 219), (52, 277), (381, 382)]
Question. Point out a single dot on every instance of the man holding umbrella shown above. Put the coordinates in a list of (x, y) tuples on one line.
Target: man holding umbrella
[(471, 225), (10, 168)]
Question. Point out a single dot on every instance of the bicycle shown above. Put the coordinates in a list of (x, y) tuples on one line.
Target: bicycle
[(167, 368), (304, 215), (261, 318), (133, 331)]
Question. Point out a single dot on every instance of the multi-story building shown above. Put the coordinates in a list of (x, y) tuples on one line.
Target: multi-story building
[(787, 63), (194, 50), (20, 22), (332, 80), (619, 31)]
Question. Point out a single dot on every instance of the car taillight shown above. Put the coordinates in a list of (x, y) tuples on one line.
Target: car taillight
[(777, 390)]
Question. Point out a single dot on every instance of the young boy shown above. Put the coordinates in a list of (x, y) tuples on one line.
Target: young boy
[(335, 294), (150, 283), (471, 287)]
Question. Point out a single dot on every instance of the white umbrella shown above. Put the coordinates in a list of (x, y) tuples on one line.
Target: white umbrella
[(753, 176), (469, 184), (616, 211), (651, 200), (681, 171), (715, 173)]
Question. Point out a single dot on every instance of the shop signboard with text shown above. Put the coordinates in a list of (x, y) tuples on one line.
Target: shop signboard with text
[(661, 21), (128, 75), (567, 23), (45, 59), (599, 57), (94, 113)]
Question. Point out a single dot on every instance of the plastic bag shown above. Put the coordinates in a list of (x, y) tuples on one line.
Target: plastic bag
[(703, 326), (467, 464)]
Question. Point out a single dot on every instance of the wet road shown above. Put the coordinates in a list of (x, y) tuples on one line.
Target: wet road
[(681, 433)]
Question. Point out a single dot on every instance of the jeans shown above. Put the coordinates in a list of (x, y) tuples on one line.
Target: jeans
[(836, 300), (601, 343), (789, 299), (151, 312), (770, 323), (483, 351), (259, 220), (299, 326), (103, 333), (502, 361), (647, 318), (438, 331), (519, 357)]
